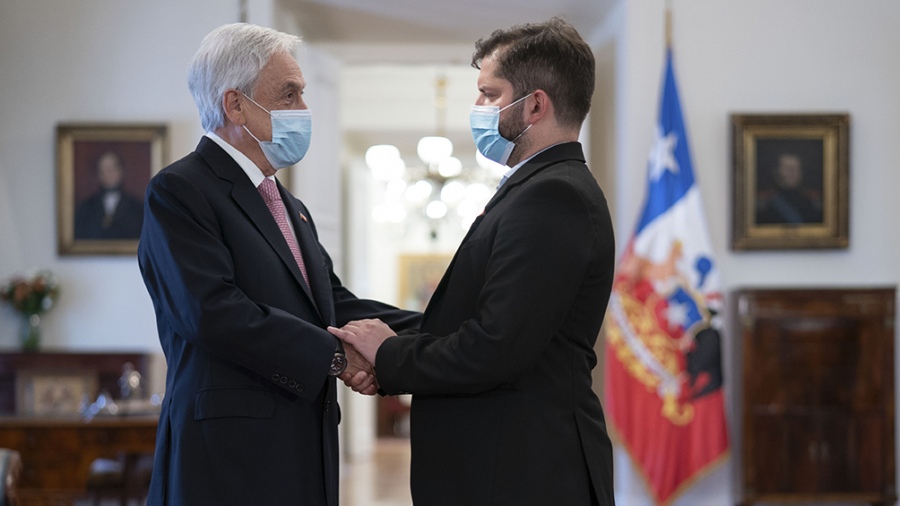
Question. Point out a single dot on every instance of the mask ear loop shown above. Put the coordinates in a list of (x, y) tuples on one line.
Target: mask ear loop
[(521, 134), (510, 105), (257, 105), (529, 125), (251, 133)]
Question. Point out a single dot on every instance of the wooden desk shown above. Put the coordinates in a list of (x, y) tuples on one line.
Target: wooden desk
[(57, 452)]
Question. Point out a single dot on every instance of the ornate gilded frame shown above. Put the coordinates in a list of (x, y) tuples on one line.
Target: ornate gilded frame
[(819, 144), (142, 149)]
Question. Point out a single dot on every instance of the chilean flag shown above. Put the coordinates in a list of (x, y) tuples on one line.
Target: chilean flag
[(663, 384)]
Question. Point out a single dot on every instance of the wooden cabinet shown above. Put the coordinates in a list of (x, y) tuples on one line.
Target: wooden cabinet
[(57, 452), (818, 395)]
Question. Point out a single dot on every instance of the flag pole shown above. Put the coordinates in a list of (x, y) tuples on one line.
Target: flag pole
[(668, 24)]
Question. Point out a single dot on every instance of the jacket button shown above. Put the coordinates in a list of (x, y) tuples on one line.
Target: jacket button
[(275, 377), (283, 379), (299, 387), (292, 384)]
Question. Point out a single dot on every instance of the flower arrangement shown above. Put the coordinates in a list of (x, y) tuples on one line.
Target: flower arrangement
[(31, 296)]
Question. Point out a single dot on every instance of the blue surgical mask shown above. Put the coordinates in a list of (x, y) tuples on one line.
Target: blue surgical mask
[(291, 132), (485, 123)]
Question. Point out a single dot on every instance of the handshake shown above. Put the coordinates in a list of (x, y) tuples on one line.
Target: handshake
[(362, 338)]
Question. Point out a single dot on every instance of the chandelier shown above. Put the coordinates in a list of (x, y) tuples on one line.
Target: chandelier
[(433, 185)]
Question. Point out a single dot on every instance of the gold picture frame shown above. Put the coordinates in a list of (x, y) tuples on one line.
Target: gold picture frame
[(791, 181), (102, 172), (419, 275), (54, 393)]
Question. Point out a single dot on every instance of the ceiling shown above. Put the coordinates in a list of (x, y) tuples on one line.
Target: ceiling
[(426, 31)]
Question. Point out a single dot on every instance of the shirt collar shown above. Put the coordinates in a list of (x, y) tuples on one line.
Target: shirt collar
[(256, 176)]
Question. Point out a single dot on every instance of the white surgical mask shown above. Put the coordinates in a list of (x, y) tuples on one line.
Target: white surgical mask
[(291, 133), (484, 121)]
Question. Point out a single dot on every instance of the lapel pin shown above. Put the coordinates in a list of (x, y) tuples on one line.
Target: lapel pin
[(303, 217)]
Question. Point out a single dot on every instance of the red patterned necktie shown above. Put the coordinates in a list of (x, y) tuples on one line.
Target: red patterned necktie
[(269, 192)]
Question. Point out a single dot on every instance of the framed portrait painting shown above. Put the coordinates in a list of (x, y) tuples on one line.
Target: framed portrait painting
[(101, 175), (791, 181)]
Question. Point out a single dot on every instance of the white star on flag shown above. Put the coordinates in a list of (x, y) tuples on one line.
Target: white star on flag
[(677, 313), (662, 156)]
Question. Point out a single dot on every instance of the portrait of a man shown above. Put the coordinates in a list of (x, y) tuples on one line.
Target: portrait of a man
[(789, 182), (111, 207)]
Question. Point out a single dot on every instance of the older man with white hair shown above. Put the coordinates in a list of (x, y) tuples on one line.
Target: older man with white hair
[(243, 293)]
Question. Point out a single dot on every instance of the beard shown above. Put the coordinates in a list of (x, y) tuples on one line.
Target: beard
[(511, 127)]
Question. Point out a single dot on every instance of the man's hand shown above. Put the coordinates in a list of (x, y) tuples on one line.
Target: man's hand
[(359, 375), (364, 335)]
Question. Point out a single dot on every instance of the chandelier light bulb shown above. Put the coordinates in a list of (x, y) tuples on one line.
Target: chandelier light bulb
[(453, 192), (436, 209), (384, 161), (449, 167), (394, 189), (433, 149), (419, 192)]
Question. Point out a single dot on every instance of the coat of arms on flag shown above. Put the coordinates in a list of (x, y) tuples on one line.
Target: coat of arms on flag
[(663, 385)]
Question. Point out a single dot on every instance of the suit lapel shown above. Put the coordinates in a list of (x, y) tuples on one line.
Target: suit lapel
[(312, 257)]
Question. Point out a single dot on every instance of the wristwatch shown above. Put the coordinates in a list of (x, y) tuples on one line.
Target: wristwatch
[(338, 363)]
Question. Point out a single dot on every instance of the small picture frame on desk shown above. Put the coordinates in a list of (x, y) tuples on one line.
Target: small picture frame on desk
[(53, 393), (790, 182), (101, 175)]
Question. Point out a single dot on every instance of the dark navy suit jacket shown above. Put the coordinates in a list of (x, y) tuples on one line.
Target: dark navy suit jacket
[(250, 414)]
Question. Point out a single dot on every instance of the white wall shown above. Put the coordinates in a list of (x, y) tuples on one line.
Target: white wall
[(759, 57), (101, 60)]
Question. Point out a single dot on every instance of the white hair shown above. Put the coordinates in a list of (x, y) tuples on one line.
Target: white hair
[(231, 57)]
